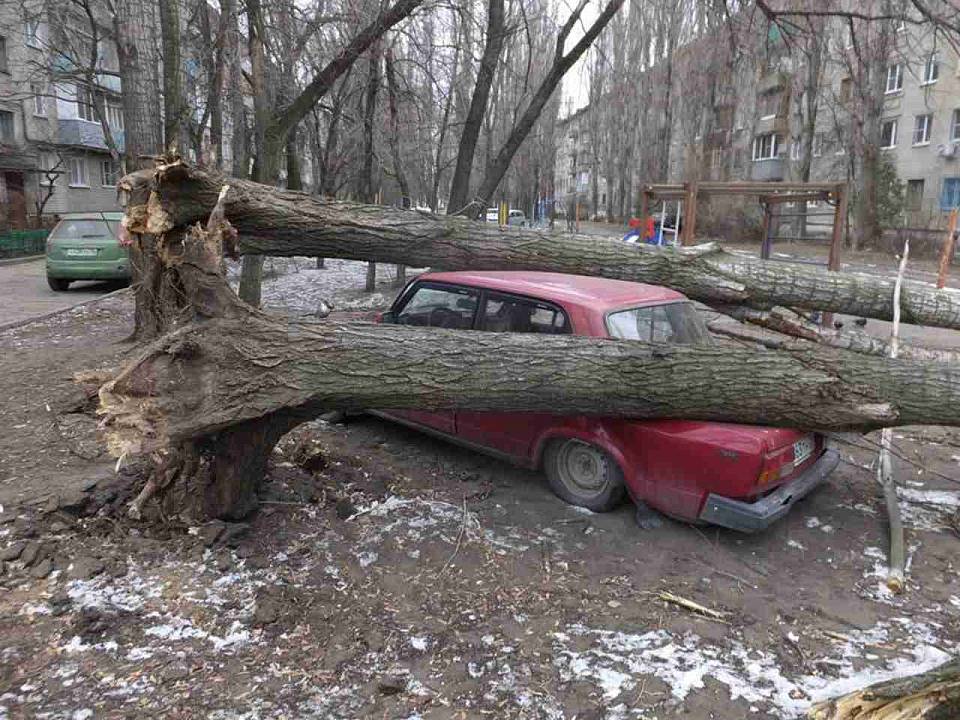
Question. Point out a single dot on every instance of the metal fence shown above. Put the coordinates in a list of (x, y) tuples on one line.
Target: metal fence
[(18, 243)]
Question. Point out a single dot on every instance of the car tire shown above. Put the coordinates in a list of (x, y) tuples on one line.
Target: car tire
[(58, 284), (583, 475)]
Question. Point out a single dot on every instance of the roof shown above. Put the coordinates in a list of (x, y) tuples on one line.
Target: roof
[(562, 288), (112, 215)]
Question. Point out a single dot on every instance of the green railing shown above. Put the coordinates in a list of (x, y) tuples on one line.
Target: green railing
[(17, 243)]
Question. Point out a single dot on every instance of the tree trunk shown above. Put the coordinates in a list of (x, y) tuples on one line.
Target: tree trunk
[(134, 26), (460, 184), (173, 99), (267, 167), (284, 223), (406, 202), (368, 192)]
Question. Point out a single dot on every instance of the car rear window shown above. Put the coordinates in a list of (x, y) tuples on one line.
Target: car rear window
[(80, 230), (677, 323), (510, 314)]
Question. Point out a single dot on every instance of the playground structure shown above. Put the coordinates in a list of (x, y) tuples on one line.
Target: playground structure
[(772, 196)]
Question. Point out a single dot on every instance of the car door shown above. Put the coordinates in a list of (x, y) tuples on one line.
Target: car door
[(430, 304), (512, 433)]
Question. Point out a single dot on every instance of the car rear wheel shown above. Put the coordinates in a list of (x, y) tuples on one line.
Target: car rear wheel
[(58, 284), (584, 475)]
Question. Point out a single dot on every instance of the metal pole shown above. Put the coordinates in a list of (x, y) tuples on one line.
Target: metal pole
[(767, 232)]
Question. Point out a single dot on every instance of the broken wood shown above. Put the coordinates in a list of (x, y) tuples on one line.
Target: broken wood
[(934, 695), (278, 222)]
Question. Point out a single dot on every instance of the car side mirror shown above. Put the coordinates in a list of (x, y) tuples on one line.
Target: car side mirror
[(389, 317)]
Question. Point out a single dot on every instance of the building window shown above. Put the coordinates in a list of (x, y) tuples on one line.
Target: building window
[(921, 129), (108, 173), (955, 126), (77, 167), (85, 103), (39, 105), (818, 145), (894, 78), (950, 197), (846, 89), (49, 162), (32, 32), (914, 199), (888, 134), (115, 115), (796, 150), (931, 69), (766, 147), (6, 126), (3, 54)]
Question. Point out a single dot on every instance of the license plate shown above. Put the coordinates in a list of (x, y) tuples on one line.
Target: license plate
[(802, 449), (82, 252)]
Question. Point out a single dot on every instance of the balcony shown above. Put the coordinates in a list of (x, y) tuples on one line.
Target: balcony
[(82, 133), (768, 170)]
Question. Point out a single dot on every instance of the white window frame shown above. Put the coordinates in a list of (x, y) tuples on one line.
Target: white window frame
[(82, 178), (81, 88), (32, 35), (893, 138), (796, 150), (112, 175), (760, 153), (817, 149), (931, 70), (895, 73), (924, 123), (39, 104), (48, 161), (114, 115), (955, 126)]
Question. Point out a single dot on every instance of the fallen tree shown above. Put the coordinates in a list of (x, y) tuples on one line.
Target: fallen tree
[(278, 222), (209, 400)]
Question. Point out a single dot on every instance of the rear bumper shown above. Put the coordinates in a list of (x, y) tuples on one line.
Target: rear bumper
[(118, 269), (751, 517)]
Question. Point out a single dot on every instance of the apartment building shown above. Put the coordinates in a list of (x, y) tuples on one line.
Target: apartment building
[(54, 154), (579, 186)]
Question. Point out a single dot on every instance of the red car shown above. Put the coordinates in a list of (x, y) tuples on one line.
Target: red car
[(739, 476)]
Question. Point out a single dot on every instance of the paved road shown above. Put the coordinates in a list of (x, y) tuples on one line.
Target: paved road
[(24, 292)]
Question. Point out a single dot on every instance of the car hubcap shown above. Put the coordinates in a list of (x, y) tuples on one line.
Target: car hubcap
[(583, 468)]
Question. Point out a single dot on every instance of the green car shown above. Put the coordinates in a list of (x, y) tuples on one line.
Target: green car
[(84, 246)]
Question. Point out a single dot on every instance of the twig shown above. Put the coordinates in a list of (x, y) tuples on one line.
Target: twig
[(895, 578), (693, 606), (463, 531)]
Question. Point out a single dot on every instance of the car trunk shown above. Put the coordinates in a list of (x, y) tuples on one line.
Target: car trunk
[(84, 241)]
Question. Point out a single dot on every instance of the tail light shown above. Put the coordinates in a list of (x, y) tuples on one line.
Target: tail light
[(776, 465)]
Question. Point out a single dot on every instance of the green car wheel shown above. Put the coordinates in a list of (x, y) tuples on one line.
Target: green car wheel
[(58, 284)]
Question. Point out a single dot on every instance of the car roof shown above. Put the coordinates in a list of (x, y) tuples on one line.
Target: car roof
[(562, 288), (92, 215)]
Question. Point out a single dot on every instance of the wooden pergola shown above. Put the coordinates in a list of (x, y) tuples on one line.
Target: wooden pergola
[(770, 194)]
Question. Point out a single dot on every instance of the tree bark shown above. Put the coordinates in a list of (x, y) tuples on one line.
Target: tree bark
[(460, 184), (173, 99), (133, 27), (284, 223), (368, 192)]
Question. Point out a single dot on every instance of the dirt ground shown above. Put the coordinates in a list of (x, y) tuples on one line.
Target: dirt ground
[(391, 575)]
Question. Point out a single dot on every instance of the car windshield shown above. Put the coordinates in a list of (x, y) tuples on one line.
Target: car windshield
[(678, 323), (80, 230)]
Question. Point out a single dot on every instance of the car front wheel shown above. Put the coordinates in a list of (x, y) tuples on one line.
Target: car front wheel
[(584, 475), (58, 284)]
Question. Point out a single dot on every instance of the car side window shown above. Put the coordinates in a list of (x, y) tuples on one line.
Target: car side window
[(507, 314), (440, 307), (649, 324)]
